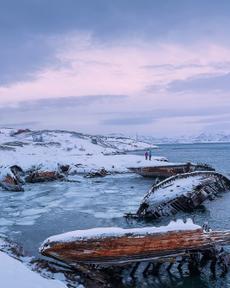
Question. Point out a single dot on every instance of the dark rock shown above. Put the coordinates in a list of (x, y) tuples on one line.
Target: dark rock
[(21, 131), (100, 173), (6, 148), (16, 143), (64, 168)]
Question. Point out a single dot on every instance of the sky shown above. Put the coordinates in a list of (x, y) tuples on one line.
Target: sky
[(149, 67)]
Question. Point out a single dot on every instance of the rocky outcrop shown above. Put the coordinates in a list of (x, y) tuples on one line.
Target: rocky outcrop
[(7, 148), (64, 169), (100, 173), (20, 131), (16, 144)]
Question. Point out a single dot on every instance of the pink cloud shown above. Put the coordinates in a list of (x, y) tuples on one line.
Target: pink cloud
[(96, 69)]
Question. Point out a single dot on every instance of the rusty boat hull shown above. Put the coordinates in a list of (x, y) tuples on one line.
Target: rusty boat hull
[(130, 247), (165, 171)]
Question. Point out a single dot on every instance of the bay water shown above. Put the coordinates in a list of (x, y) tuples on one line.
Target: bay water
[(51, 208)]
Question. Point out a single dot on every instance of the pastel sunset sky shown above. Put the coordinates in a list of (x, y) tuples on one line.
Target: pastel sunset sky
[(152, 67)]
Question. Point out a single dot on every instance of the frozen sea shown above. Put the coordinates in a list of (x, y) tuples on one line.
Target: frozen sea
[(46, 209)]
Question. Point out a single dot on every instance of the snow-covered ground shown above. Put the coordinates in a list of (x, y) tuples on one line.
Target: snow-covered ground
[(14, 274), (47, 149)]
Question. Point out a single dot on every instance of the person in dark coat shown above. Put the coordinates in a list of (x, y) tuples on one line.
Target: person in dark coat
[(146, 155), (150, 155)]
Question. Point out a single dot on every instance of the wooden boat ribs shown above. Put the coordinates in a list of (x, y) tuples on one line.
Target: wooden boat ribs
[(183, 192)]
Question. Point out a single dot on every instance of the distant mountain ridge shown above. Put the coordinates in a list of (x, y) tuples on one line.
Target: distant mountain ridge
[(201, 138)]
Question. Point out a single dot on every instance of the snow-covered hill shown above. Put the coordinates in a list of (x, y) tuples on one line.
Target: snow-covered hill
[(48, 149)]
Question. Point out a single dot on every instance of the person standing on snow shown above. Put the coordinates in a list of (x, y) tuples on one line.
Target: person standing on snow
[(150, 155), (146, 155)]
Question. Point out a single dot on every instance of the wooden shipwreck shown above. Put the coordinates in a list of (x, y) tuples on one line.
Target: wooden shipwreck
[(43, 176), (10, 179), (168, 170), (109, 246), (10, 183), (183, 192)]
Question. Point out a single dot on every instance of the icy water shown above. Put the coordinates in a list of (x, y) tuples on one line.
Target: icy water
[(46, 209)]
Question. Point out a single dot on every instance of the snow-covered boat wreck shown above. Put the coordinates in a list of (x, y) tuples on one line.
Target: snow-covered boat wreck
[(183, 192), (170, 169), (108, 246)]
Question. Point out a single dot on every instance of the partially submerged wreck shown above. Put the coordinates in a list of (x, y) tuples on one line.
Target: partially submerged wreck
[(168, 170), (10, 179), (9, 183), (183, 192), (109, 246), (43, 176), (14, 177)]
